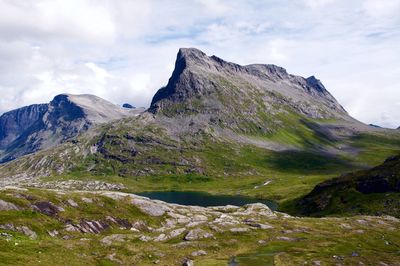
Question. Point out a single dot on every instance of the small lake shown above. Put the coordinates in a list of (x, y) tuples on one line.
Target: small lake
[(204, 199)]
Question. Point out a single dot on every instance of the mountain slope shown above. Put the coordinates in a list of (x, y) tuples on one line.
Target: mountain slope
[(369, 192), (217, 122), (36, 127), (243, 98)]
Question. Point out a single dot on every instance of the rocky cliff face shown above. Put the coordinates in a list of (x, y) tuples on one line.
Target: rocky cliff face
[(209, 84), (35, 127)]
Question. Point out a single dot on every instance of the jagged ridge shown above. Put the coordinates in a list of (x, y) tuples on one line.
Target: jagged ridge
[(199, 77)]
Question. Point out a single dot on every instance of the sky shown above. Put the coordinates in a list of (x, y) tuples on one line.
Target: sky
[(124, 50)]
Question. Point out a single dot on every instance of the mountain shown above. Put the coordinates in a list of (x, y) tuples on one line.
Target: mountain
[(41, 126), (213, 87), (229, 130), (217, 122), (370, 192)]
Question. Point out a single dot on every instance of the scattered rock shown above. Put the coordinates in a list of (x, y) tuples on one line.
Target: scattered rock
[(145, 238), (87, 226), (187, 262), (7, 206), (21, 229), (289, 239), (336, 257), (239, 230), (123, 223), (72, 203), (113, 258), (87, 200), (47, 208), (355, 254), (176, 232), (198, 253), (259, 225), (109, 240), (361, 221), (160, 238), (53, 233), (345, 226), (196, 234), (27, 231)]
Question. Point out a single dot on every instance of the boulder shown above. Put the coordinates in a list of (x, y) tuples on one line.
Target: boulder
[(196, 234), (198, 253), (149, 207), (7, 206), (187, 262)]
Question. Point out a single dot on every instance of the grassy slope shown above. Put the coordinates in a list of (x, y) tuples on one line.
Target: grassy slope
[(316, 239), (374, 192)]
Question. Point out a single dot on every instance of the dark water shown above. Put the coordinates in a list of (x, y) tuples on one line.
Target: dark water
[(204, 199)]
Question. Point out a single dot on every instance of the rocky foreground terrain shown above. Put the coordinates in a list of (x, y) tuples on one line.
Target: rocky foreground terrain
[(57, 227)]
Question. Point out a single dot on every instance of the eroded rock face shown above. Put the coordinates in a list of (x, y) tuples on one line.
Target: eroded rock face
[(88, 226), (197, 75), (47, 208)]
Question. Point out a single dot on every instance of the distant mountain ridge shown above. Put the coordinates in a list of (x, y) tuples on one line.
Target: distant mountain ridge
[(39, 126)]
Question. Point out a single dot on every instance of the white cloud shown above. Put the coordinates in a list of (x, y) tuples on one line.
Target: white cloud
[(124, 50), (318, 3), (381, 8)]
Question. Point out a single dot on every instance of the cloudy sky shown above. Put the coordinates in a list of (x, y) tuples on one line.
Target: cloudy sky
[(124, 50)]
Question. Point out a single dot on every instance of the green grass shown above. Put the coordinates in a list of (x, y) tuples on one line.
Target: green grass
[(318, 240)]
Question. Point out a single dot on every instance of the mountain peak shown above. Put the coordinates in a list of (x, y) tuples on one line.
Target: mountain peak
[(26, 130), (191, 53), (209, 81)]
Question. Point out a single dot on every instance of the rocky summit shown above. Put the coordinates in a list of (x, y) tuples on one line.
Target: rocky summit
[(70, 169), (211, 85)]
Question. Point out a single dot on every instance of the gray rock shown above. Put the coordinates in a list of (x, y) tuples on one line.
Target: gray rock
[(21, 229), (239, 230), (149, 207), (109, 240), (7, 206), (161, 237), (188, 262), (87, 200), (27, 231), (196, 234), (286, 238), (176, 232), (53, 233), (198, 253), (72, 203)]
